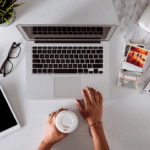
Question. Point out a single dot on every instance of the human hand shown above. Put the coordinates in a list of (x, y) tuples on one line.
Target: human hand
[(93, 105), (52, 134)]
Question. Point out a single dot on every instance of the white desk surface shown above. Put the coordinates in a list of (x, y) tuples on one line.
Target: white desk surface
[(125, 115)]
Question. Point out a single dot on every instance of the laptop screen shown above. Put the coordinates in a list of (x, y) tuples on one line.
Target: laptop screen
[(47, 32)]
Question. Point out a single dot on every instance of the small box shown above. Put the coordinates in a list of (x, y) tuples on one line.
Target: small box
[(147, 89)]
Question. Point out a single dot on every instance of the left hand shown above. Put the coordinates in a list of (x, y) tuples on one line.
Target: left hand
[(52, 134)]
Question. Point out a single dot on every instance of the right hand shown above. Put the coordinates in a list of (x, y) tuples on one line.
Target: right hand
[(93, 105)]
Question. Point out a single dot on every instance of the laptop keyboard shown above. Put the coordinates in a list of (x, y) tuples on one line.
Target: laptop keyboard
[(67, 30), (67, 60)]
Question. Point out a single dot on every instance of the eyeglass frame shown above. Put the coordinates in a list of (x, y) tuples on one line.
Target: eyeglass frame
[(14, 45)]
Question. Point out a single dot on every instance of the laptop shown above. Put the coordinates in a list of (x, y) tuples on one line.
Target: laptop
[(62, 59)]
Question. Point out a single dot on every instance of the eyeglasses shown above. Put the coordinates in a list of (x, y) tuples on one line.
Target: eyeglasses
[(13, 53)]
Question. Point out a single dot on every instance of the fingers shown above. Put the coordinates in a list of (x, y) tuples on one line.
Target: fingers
[(91, 95), (96, 95), (50, 118), (59, 111), (80, 106), (86, 98)]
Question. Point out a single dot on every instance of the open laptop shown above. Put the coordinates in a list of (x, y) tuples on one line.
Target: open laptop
[(62, 59)]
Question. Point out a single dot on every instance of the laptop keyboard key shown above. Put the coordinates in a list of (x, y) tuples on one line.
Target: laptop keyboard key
[(100, 56), (36, 61), (51, 56), (69, 65), (77, 61), (60, 65), (45, 65), (87, 61), (67, 60), (80, 56), (34, 70), (52, 60), (90, 56), (63, 61), (89, 66), (95, 56), (49, 70), (79, 65), (44, 71), (85, 70), (64, 51), (39, 70), (75, 56), (99, 51), (72, 61), (71, 56), (48, 61), (80, 70), (97, 65), (46, 56), (65, 71), (98, 61), (37, 66), (55, 65), (95, 70), (50, 65), (84, 65), (82, 61), (74, 65), (92, 61), (34, 51), (57, 60), (65, 65), (43, 61), (35, 56), (66, 56)]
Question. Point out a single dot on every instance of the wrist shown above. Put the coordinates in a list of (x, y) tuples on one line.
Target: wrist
[(95, 122), (45, 146), (46, 142)]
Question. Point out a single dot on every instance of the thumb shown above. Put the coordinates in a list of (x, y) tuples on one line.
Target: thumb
[(81, 109)]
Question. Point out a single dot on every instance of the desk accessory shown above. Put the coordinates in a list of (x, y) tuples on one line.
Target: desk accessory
[(66, 121), (9, 122), (13, 53), (131, 70), (7, 12), (144, 21)]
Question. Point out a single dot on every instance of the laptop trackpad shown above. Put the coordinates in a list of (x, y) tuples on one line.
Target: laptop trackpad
[(67, 87)]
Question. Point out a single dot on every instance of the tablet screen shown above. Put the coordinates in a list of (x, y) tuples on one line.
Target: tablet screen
[(7, 119)]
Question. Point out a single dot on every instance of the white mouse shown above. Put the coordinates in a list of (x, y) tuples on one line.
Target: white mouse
[(144, 21)]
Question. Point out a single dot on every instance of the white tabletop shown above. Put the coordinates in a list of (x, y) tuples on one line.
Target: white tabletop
[(125, 115)]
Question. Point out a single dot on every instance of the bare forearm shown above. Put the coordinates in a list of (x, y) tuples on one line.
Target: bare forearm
[(45, 146), (99, 138)]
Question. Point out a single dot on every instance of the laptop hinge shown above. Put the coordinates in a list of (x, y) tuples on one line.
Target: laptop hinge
[(69, 41)]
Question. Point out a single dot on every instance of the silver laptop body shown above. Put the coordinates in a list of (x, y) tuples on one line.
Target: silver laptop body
[(55, 78)]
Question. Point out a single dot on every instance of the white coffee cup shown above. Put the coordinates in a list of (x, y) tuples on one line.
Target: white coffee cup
[(66, 121)]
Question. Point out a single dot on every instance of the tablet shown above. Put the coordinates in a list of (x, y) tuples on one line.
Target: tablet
[(8, 120)]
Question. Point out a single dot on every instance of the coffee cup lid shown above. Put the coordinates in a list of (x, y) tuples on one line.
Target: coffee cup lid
[(66, 121)]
